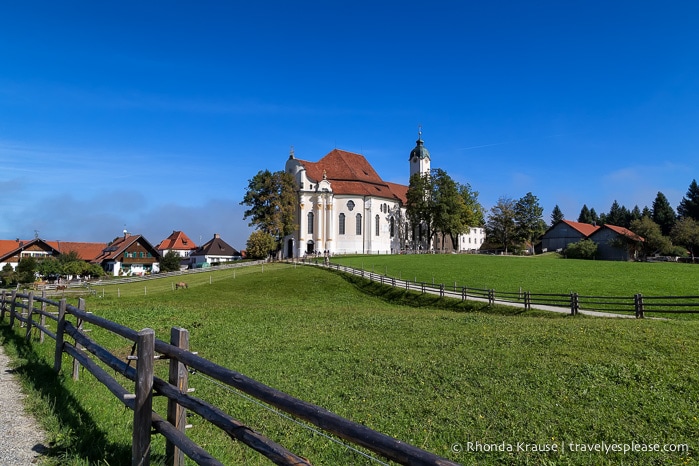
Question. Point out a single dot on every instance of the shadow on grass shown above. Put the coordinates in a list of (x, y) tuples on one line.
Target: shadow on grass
[(78, 438), (412, 298)]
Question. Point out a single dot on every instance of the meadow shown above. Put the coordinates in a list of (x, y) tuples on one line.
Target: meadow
[(546, 273), (463, 383)]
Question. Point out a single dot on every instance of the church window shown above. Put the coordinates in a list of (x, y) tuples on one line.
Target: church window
[(342, 224), (310, 223), (393, 227), (377, 225), (350, 205), (358, 226)]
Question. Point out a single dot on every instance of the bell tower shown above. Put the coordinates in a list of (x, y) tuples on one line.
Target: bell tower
[(419, 156)]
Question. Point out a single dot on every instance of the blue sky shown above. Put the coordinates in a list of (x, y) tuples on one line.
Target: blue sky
[(152, 116)]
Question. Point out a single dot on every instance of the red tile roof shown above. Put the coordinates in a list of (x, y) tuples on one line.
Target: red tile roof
[(586, 229), (625, 232), (85, 251), (350, 173), (177, 241)]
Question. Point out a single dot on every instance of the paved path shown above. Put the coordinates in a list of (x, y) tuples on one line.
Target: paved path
[(21, 439)]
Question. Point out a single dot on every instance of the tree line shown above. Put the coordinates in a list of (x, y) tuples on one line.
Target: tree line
[(49, 268)]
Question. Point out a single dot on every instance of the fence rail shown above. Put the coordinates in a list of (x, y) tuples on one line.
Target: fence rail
[(22, 307), (638, 304)]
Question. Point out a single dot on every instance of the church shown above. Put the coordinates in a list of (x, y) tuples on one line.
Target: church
[(346, 208)]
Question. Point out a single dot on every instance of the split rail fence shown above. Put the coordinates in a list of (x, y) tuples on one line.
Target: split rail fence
[(638, 304), (33, 311)]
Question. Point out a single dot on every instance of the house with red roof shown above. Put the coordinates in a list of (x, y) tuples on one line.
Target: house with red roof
[(177, 242), (565, 232), (345, 207), (12, 251)]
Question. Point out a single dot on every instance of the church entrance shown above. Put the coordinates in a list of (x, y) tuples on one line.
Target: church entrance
[(310, 247), (290, 248)]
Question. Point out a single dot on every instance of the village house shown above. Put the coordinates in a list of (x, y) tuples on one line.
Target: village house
[(613, 242), (213, 252), (129, 255)]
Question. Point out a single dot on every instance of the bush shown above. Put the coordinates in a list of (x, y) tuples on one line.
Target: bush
[(584, 249)]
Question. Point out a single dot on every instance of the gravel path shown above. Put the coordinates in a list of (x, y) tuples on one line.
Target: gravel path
[(21, 439)]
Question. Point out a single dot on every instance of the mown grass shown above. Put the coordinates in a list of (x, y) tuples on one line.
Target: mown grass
[(426, 375), (546, 273)]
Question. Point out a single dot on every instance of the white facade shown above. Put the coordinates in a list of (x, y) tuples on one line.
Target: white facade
[(344, 207)]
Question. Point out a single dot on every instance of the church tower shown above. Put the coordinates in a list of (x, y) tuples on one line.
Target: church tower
[(419, 157)]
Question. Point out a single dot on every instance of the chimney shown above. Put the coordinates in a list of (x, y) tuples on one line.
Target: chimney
[(216, 236)]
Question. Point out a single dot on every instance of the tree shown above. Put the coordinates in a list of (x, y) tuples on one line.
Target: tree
[(26, 270), (449, 207), (473, 215), (529, 219), (583, 249), (556, 215), (501, 226), (260, 245), (420, 208), (686, 233), (170, 262), (654, 242), (272, 200), (618, 215), (585, 216), (663, 214), (689, 205), (8, 275)]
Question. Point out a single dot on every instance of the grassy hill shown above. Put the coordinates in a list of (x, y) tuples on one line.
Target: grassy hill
[(435, 378)]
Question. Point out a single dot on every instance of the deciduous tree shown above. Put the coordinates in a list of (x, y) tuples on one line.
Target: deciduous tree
[(501, 226), (260, 245), (271, 198), (686, 233), (529, 220)]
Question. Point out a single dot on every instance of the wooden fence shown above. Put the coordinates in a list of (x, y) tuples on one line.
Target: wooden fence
[(637, 304), (68, 322)]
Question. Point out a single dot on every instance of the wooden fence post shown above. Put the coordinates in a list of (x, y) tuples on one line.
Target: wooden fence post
[(2, 305), (30, 311), (60, 331), (491, 297), (574, 304), (12, 308), (143, 409), (638, 304), (176, 414), (528, 300), (76, 364), (441, 290), (42, 320)]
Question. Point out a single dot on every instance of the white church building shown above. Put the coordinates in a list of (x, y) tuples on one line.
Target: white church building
[(346, 208)]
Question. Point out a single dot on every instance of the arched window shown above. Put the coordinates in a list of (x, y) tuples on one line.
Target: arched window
[(342, 224), (358, 227), (393, 227), (377, 224), (310, 223)]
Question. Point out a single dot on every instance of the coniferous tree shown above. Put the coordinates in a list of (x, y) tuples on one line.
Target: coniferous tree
[(617, 215), (585, 216), (556, 215), (594, 216), (646, 212), (689, 205), (663, 214)]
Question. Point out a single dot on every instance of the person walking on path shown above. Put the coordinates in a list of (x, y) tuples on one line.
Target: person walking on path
[(21, 438)]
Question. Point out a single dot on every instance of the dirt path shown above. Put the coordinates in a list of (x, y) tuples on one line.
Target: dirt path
[(21, 439)]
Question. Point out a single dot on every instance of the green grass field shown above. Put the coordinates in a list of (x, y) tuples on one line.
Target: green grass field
[(432, 377), (546, 273)]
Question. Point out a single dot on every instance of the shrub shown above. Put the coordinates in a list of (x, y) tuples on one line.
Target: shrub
[(584, 249)]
